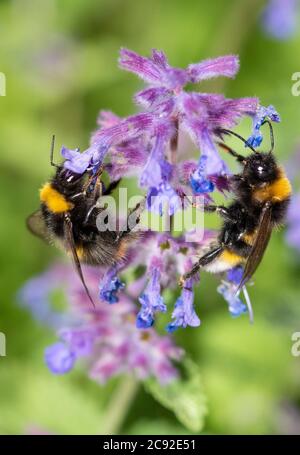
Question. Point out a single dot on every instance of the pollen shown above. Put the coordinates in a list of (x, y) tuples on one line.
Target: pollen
[(55, 201)]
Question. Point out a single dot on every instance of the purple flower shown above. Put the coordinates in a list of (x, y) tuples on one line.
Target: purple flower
[(75, 161), (127, 142), (125, 157), (107, 337), (184, 312), (261, 115), (235, 275), (59, 358), (235, 305), (199, 181), (79, 339), (151, 301), (163, 196), (195, 175), (125, 130), (229, 290), (280, 18), (227, 66), (157, 72), (157, 169), (202, 115), (110, 285), (105, 138), (154, 70)]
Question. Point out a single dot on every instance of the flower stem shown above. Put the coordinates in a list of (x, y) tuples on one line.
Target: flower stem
[(119, 405), (174, 143)]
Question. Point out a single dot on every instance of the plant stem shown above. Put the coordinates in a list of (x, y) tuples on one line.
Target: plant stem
[(119, 405)]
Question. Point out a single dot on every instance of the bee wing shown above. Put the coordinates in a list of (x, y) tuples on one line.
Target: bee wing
[(260, 244), (36, 225), (69, 238)]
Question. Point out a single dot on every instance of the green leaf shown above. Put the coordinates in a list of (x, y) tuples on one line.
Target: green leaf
[(184, 396)]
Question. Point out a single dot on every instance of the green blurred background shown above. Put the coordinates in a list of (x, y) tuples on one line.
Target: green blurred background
[(60, 62)]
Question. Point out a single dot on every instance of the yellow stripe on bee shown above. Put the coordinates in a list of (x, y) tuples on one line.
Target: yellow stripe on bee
[(231, 258), (277, 191), (55, 201), (249, 238), (80, 252)]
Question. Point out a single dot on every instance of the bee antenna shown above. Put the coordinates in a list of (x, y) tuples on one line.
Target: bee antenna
[(224, 131), (271, 135), (52, 151)]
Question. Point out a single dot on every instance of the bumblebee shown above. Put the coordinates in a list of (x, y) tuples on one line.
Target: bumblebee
[(261, 196), (67, 217)]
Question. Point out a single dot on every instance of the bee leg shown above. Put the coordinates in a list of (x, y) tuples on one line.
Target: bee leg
[(203, 261), (97, 192), (111, 187), (221, 210), (96, 178), (133, 219), (99, 189)]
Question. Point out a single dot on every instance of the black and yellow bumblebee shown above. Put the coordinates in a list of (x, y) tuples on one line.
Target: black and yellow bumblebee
[(262, 194), (67, 217)]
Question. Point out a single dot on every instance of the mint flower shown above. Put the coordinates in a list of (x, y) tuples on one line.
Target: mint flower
[(108, 339), (201, 115), (235, 305), (148, 146), (184, 313), (229, 290), (59, 358), (262, 114), (151, 301), (147, 142), (110, 285)]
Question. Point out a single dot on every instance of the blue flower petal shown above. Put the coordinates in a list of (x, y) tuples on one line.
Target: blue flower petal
[(235, 275), (262, 114), (151, 302), (184, 312), (59, 358), (109, 287), (235, 305), (199, 182)]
